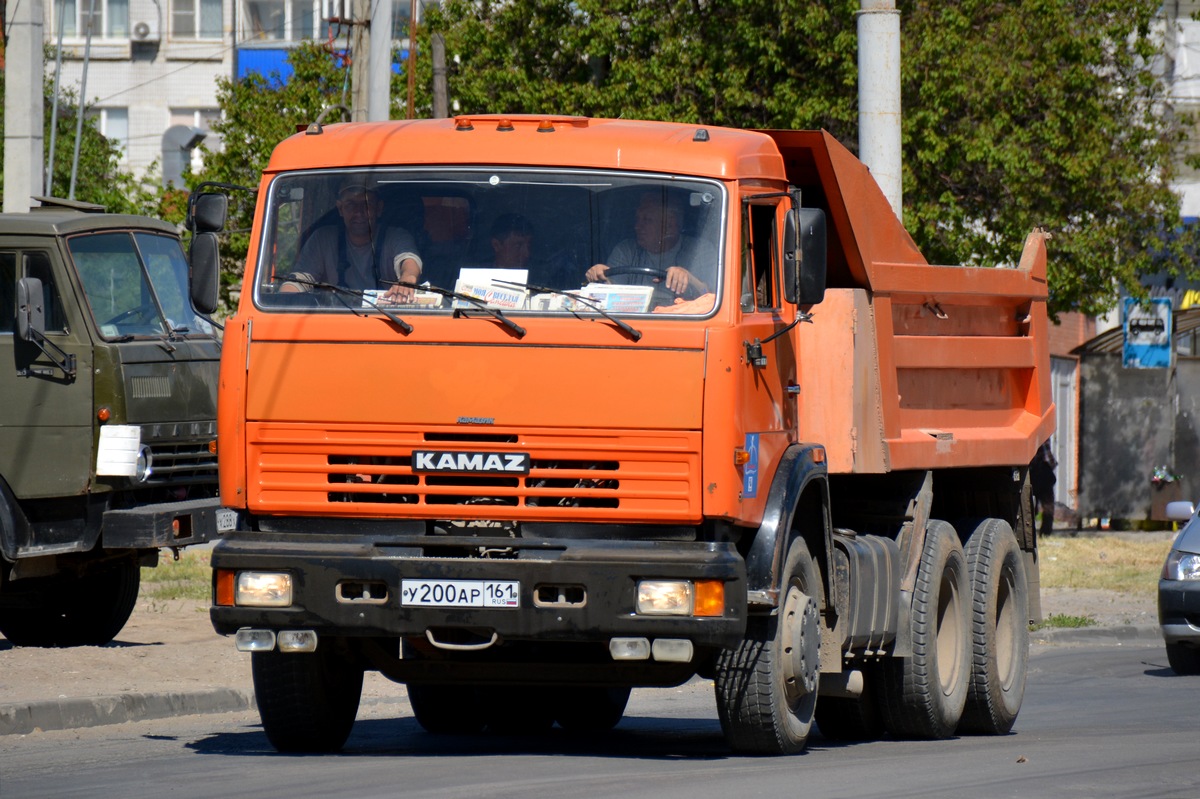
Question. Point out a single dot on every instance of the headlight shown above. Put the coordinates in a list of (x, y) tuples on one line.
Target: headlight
[(263, 590), (664, 597), (145, 464), (1181, 566)]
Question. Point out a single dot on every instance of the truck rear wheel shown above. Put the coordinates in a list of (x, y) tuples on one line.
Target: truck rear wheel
[(75, 610), (923, 696), (307, 701), (767, 687), (448, 709), (591, 709), (999, 629)]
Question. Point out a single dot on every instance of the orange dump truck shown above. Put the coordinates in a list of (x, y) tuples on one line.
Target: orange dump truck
[(525, 412)]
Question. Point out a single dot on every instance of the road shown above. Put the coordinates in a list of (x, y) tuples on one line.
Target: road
[(1099, 720)]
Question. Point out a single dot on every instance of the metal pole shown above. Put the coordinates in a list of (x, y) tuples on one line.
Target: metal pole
[(62, 15), (879, 97), (87, 56), (411, 67)]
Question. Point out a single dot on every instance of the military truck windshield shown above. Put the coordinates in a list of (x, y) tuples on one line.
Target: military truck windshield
[(524, 242), (136, 284)]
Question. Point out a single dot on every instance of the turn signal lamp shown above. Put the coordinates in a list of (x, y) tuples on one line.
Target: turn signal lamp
[(709, 598), (740, 457), (103, 413)]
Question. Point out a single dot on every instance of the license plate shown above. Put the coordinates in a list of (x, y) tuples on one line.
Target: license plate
[(460, 593), (226, 520)]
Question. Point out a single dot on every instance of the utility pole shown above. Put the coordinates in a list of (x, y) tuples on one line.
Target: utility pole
[(24, 71), (360, 67), (379, 103), (441, 106), (879, 97)]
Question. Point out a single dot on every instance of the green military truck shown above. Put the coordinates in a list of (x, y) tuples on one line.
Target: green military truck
[(108, 395)]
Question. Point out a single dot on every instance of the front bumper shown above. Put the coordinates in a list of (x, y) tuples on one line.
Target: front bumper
[(601, 577), (165, 524), (1179, 611)]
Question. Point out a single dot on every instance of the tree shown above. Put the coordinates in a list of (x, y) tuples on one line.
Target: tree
[(1028, 113)]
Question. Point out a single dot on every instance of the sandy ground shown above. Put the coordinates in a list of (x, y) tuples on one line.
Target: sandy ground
[(170, 647)]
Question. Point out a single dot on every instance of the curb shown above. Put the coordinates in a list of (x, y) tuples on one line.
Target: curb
[(67, 714), (1062, 635)]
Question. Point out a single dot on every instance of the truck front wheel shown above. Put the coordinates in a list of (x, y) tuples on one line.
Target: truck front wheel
[(307, 701), (72, 609), (923, 696), (767, 687), (999, 629)]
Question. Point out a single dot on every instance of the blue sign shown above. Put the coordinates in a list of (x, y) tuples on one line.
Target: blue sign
[(1147, 328), (750, 471)]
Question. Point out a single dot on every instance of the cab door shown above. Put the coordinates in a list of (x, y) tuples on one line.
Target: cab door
[(768, 385), (46, 416)]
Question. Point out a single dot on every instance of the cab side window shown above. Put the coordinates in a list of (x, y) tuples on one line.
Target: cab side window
[(760, 258), (37, 264), (8, 291)]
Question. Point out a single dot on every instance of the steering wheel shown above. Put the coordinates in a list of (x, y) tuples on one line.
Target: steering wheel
[(142, 312), (661, 274)]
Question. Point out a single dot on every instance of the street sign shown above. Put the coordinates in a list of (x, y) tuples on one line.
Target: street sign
[(1147, 334)]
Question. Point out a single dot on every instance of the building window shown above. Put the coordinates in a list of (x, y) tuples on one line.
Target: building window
[(196, 19), (114, 124), (109, 18), (283, 20)]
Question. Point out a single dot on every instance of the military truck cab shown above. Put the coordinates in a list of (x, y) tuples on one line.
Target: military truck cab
[(108, 380)]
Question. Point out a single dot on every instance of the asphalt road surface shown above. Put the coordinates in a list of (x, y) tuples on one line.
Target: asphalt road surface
[(1103, 720)]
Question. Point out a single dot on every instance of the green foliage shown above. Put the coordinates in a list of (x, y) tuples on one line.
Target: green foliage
[(1030, 113), (1064, 621), (258, 112), (99, 177)]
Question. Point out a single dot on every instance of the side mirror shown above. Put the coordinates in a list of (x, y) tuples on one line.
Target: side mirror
[(204, 274), (208, 213), (1179, 511), (804, 250), (31, 309)]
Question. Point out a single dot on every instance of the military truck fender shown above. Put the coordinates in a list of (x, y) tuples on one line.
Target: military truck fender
[(14, 527), (797, 505)]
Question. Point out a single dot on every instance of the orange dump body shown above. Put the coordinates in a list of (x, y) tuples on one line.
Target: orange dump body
[(326, 412)]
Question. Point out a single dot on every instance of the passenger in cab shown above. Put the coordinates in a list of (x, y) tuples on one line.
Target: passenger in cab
[(359, 252)]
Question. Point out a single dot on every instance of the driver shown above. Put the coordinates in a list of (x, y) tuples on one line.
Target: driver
[(658, 250)]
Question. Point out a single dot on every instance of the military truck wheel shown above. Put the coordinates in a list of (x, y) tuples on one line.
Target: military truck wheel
[(591, 709), (923, 696), (448, 709), (851, 719), (75, 610), (767, 687), (307, 701), (999, 629)]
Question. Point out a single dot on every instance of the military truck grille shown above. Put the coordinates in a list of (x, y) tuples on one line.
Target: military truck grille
[(182, 464), (637, 476)]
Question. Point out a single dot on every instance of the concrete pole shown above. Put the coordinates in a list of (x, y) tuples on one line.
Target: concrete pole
[(24, 72), (879, 97), (379, 103), (441, 107)]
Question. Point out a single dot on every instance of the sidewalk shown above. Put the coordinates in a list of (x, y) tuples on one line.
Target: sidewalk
[(168, 662)]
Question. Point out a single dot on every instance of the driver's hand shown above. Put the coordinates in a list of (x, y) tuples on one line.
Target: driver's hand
[(678, 279), (399, 294), (596, 274)]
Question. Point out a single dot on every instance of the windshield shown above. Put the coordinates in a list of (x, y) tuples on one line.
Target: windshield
[(136, 284), (524, 242)]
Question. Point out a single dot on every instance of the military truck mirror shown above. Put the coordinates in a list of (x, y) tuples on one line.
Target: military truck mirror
[(204, 272), (811, 271), (208, 213), (31, 309)]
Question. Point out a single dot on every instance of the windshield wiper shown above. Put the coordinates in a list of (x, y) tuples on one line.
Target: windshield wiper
[(341, 293), (627, 328), (496, 313)]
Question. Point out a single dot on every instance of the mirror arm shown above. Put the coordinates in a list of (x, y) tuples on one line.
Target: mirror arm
[(62, 359)]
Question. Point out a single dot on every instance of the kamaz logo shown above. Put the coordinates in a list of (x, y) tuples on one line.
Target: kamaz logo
[(487, 462)]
